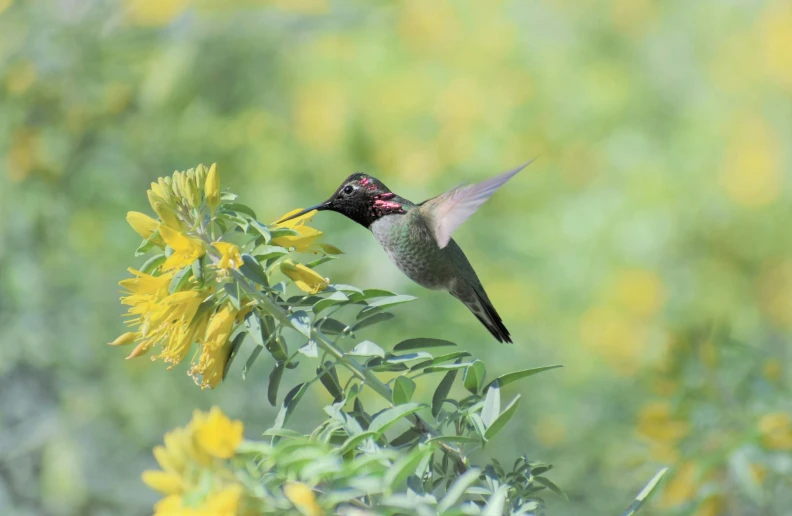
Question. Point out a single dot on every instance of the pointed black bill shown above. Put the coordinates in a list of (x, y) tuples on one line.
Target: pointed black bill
[(319, 207)]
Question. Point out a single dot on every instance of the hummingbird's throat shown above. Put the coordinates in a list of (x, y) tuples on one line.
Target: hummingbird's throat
[(383, 205)]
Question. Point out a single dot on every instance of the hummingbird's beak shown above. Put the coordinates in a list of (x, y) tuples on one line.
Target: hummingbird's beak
[(319, 207)]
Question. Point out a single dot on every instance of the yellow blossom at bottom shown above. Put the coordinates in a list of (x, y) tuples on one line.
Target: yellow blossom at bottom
[(216, 433), (222, 503), (303, 498)]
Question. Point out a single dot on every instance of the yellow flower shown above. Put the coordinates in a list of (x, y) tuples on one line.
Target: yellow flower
[(656, 423), (220, 503), (125, 338), (208, 371), (303, 498), (185, 249), (682, 487), (166, 483), (305, 278), (776, 431), (144, 226), (230, 259), (216, 433), (306, 238), (223, 503), (212, 187), (170, 319)]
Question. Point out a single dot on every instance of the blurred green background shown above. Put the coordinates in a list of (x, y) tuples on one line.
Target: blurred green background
[(648, 248)]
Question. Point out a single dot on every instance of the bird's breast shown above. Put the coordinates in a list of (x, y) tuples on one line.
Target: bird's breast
[(411, 247)]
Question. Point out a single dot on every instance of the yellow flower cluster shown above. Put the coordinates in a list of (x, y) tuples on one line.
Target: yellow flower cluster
[(171, 308), (178, 319), (775, 431), (188, 455)]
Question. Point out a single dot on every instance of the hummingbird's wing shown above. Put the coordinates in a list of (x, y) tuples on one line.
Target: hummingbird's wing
[(448, 211)]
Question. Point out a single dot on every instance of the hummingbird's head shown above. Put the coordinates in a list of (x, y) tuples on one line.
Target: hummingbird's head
[(360, 197)]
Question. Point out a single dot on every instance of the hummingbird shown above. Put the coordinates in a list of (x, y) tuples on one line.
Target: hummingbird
[(417, 237)]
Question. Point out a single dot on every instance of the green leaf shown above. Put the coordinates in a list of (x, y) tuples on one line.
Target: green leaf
[(346, 288), (301, 322), (264, 252), (646, 492), (332, 326), (274, 382), (367, 349), (249, 363), (252, 270), (503, 418), (261, 229), (180, 279), (421, 343), (407, 437), (380, 304), (330, 249), (441, 393), (508, 378), (439, 360), (551, 486), (282, 432), (335, 298), (492, 404), (388, 417), (234, 295), (152, 263), (473, 378), (289, 402), (447, 367), (232, 207), (409, 357), (282, 232), (496, 503), (458, 488), (404, 467), (459, 439), (369, 293), (351, 443), (235, 344), (310, 349), (330, 381), (370, 321), (403, 389)]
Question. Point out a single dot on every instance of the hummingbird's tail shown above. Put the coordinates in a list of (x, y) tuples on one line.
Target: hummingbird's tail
[(478, 303)]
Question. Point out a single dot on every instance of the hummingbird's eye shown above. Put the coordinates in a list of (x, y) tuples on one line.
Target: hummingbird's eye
[(348, 189)]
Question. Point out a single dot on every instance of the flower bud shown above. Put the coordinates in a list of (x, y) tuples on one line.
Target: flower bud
[(212, 187), (144, 226)]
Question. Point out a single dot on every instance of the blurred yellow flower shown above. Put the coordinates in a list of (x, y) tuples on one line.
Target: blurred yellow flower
[(144, 226), (186, 249), (231, 258), (154, 13), (775, 431), (306, 238), (188, 451), (305, 278), (774, 291), (682, 487), (776, 39), (640, 291), (772, 370), (212, 187), (656, 423), (303, 498), (751, 173), (220, 503), (216, 433)]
